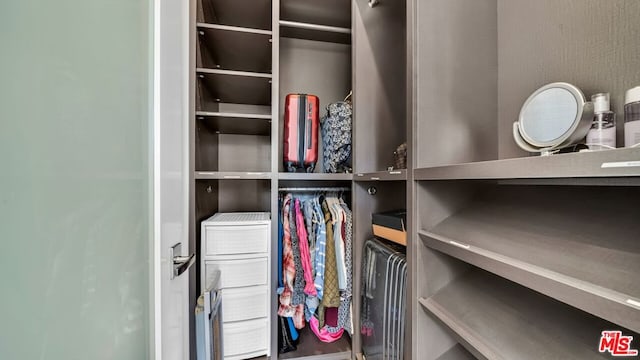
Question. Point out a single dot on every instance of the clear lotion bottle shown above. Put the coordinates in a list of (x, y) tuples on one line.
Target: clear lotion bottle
[(632, 117), (602, 135)]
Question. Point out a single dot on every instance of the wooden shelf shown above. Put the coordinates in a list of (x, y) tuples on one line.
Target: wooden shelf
[(607, 163), (315, 176), (228, 175), (236, 123), (311, 348), (501, 320), (336, 13), (394, 175), (235, 48), (238, 87), (457, 352), (566, 250), (254, 14), (315, 32)]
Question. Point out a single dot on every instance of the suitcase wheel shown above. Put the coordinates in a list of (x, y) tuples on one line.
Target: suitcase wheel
[(291, 168), (310, 168)]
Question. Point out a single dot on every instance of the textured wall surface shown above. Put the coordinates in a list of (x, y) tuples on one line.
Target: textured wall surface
[(593, 44)]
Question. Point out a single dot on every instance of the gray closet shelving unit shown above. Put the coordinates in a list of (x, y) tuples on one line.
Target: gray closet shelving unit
[(246, 56), (516, 256), (510, 255)]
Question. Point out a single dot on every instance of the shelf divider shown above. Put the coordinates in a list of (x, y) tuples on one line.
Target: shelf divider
[(315, 176), (232, 175), (597, 164), (389, 175), (316, 32), (501, 320), (236, 123)]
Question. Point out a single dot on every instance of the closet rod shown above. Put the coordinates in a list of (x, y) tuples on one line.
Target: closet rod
[(300, 25), (314, 189)]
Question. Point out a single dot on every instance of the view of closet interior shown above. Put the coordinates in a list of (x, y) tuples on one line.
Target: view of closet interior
[(249, 54), (514, 255), (510, 255)]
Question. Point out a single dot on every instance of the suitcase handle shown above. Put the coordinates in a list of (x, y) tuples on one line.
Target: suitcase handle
[(302, 124), (308, 129)]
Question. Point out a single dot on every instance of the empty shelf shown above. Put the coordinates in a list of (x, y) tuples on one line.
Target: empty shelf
[(236, 123), (501, 320), (457, 352), (568, 252), (608, 163), (315, 176), (307, 31), (237, 87), (223, 175), (392, 175), (235, 48), (336, 13), (244, 13)]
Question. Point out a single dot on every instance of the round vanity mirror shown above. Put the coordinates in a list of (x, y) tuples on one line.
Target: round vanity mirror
[(554, 116)]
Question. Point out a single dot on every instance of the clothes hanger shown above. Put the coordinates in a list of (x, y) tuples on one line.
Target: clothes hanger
[(348, 97), (331, 200)]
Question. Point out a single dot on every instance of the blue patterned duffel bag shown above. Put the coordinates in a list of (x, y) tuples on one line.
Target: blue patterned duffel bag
[(335, 129)]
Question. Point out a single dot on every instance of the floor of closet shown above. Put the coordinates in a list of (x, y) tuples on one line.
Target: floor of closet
[(309, 345)]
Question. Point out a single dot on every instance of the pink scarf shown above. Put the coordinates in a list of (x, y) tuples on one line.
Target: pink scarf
[(305, 255)]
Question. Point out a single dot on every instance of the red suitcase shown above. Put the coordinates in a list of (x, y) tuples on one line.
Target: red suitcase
[(301, 123)]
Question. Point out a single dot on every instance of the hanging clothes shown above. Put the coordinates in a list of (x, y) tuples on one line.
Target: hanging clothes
[(298, 297), (331, 293), (338, 234), (298, 284), (290, 272), (288, 267), (305, 256), (321, 246), (307, 206), (315, 269), (280, 249)]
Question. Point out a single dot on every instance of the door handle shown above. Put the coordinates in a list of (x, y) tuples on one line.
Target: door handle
[(180, 263)]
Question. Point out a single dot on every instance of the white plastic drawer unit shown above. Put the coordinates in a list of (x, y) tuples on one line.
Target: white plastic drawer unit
[(239, 239), (236, 233), (240, 273), (241, 304), (238, 244), (246, 339)]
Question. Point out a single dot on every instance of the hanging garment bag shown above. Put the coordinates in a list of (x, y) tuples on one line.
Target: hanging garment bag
[(336, 138), (301, 122), (384, 274)]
